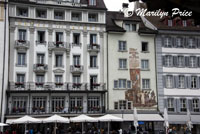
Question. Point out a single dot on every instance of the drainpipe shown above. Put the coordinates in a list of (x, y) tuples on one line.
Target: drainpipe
[(107, 75)]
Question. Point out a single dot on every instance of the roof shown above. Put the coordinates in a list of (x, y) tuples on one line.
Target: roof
[(160, 25), (112, 16), (99, 4)]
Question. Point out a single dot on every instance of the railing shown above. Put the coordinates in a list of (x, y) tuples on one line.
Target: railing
[(94, 47), (55, 110), (22, 44), (76, 68), (59, 46), (76, 44), (31, 86), (40, 67)]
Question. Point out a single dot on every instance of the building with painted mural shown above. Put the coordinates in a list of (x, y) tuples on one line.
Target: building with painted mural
[(178, 74), (56, 57), (132, 71), (3, 55)]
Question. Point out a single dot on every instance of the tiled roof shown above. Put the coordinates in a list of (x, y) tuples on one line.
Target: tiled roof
[(157, 22)]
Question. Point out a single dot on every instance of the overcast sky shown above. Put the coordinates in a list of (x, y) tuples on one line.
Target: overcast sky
[(116, 5)]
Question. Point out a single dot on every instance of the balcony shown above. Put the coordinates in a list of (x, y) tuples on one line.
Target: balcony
[(76, 45), (76, 69), (93, 48), (59, 46), (55, 110), (22, 44), (40, 68), (36, 87)]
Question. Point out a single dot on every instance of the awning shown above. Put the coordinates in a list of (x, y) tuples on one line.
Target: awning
[(182, 119), (9, 121), (141, 117)]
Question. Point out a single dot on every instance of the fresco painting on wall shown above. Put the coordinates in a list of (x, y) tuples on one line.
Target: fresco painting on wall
[(139, 98)]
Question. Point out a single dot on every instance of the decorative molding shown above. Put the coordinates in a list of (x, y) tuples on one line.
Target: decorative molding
[(85, 33), (50, 31), (32, 29), (12, 28), (101, 34), (58, 71), (68, 32)]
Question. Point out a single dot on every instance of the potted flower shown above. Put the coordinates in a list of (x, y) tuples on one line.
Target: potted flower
[(58, 43), (39, 83), (96, 84), (59, 84), (21, 41), (77, 66), (40, 64)]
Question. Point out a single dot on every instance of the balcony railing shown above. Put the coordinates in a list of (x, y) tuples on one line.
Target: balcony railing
[(76, 69), (59, 46), (76, 44), (22, 44), (40, 68), (93, 48), (64, 87), (55, 110)]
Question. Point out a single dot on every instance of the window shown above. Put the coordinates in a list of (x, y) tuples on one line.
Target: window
[(23, 12), (76, 16), (22, 35), (76, 38), (19, 104), (181, 82), (122, 104), (92, 2), (40, 59), (93, 61), (93, 39), (20, 78), (122, 46), (145, 83), (116, 105), (193, 82), (93, 104), (130, 27), (122, 64), (167, 42), (195, 105), (39, 104), (170, 104), (179, 43), (129, 84), (76, 60), (191, 43), (58, 104), (184, 23), (145, 64), (192, 61), (41, 37), (76, 104), (93, 81), (92, 17), (59, 37), (58, 81), (180, 61), (183, 105), (76, 79), (41, 13), (122, 83), (169, 81), (59, 60), (40, 79), (115, 83), (21, 59), (129, 105), (145, 47), (168, 61), (170, 23), (59, 15)]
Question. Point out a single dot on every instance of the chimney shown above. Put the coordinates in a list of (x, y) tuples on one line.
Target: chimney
[(139, 4)]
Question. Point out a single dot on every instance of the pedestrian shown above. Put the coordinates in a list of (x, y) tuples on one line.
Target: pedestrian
[(31, 131), (120, 131)]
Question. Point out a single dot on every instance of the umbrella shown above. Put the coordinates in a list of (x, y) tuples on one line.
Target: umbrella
[(166, 120), (3, 124), (189, 123), (108, 118), (56, 119), (25, 120), (135, 119), (83, 118)]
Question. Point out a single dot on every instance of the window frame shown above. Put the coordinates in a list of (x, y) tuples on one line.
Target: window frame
[(146, 84)]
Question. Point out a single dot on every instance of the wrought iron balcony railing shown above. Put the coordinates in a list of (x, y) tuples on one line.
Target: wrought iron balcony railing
[(76, 68), (59, 46), (22, 44), (40, 68), (93, 47)]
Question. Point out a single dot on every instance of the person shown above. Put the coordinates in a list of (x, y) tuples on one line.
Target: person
[(120, 131), (31, 131), (48, 131)]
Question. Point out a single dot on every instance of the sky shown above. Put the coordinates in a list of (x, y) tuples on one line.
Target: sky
[(116, 5)]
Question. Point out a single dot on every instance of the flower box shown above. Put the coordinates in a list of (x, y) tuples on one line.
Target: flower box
[(58, 43), (59, 84), (21, 41), (19, 83), (95, 84), (39, 84), (77, 84), (40, 65), (77, 66)]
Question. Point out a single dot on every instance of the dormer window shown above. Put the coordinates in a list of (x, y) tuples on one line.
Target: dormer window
[(170, 23), (92, 2), (22, 12), (184, 23), (130, 27)]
